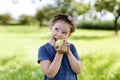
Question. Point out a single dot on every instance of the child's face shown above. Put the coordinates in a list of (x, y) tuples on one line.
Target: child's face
[(60, 30)]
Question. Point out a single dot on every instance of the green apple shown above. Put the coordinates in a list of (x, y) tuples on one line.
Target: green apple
[(58, 43)]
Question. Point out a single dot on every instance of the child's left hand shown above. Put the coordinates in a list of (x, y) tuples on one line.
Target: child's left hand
[(68, 45)]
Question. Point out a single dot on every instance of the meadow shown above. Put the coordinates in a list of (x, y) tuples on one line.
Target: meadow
[(99, 51)]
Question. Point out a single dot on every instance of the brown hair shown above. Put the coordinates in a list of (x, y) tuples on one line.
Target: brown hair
[(66, 18)]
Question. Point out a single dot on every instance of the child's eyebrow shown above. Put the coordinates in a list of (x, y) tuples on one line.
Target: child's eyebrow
[(65, 31)]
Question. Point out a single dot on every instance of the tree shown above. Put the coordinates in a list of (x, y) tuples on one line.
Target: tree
[(49, 11), (70, 7), (80, 8), (26, 20), (112, 6), (5, 18), (64, 6), (46, 13), (40, 16)]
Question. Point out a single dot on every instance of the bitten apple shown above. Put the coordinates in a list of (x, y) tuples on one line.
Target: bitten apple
[(58, 44)]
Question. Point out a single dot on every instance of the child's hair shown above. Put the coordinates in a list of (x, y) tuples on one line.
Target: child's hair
[(66, 18)]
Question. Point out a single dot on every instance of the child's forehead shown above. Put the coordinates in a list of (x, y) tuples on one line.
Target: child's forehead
[(63, 26), (60, 22)]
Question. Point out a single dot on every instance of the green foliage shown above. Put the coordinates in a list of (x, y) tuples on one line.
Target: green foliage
[(80, 8), (71, 7), (60, 6), (26, 20), (49, 11), (112, 6), (40, 16), (99, 52), (45, 14), (64, 6), (5, 18), (104, 25), (109, 5)]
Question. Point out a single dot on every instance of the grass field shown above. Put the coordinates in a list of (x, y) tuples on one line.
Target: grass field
[(99, 51)]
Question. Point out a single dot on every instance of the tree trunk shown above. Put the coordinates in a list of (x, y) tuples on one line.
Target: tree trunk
[(116, 25), (40, 24)]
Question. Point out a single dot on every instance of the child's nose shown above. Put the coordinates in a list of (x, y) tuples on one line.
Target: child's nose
[(59, 34)]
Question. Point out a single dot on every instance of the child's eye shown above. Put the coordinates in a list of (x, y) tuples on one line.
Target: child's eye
[(64, 32), (56, 28)]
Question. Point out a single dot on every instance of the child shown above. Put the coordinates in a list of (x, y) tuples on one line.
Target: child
[(62, 64)]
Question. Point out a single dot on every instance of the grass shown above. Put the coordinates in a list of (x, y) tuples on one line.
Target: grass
[(98, 49)]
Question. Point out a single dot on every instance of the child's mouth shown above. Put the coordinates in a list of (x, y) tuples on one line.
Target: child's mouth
[(55, 39)]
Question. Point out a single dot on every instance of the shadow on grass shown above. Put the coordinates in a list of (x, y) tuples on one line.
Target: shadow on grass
[(99, 67), (25, 71), (6, 60)]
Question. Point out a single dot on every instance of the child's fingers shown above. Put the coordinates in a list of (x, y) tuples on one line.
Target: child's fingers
[(65, 41)]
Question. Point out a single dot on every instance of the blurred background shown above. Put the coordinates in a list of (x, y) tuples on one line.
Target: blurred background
[(24, 27)]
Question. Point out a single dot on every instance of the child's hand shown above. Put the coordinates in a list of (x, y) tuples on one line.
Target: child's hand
[(68, 47), (61, 46)]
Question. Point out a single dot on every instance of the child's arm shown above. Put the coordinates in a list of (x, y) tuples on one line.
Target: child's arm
[(51, 68), (74, 63)]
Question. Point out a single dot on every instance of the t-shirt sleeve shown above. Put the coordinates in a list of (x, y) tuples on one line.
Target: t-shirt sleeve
[(42, 54), (74, 51)]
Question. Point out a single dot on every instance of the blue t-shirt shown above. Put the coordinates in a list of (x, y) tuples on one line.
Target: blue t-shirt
[(47, 52)]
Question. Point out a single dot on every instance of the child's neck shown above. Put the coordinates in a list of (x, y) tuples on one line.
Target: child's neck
[(52, 42)]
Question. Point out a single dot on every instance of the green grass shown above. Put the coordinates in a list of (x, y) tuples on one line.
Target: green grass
[(99, 51)]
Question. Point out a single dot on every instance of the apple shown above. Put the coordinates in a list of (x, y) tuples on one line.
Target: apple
[(58, 43)]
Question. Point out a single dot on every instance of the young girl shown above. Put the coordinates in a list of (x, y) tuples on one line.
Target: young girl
[(62, 64)]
